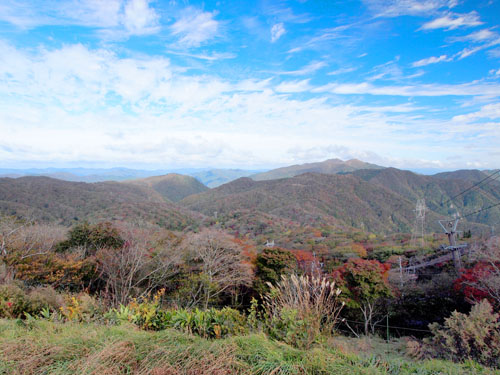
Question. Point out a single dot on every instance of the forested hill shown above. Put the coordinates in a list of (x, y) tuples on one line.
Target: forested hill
[(437, 191), (376, 200), (172, 186), (65, 202), (313, 198)]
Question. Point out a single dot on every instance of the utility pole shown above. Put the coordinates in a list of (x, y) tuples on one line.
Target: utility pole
[(400, 272), (450, 229)]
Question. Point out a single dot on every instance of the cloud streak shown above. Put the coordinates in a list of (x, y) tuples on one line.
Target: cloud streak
[(195, 27), (431, 60), (453, 21)]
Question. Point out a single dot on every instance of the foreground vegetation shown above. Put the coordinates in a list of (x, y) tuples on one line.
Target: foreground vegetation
[(43, 347), (228, 305)]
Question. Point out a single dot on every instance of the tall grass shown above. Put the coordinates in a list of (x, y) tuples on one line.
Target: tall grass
[(42, 347)]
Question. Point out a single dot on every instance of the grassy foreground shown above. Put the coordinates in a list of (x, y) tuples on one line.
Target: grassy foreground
[(43, 347)]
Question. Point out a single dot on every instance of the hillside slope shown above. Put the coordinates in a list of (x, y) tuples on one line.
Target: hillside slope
[(314, 199), (64, 202), (332, 166), (437, 191), (173, 187)]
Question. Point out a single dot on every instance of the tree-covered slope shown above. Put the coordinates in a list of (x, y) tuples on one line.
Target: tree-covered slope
[(173, 187), (313, 198), (438, 191), (66, 202)]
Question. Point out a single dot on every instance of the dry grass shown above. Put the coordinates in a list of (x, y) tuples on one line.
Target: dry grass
[(85, 349)]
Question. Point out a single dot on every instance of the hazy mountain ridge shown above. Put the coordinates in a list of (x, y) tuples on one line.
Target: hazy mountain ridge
[(331, 166), (216, 177), (378, 199), (208, 177)]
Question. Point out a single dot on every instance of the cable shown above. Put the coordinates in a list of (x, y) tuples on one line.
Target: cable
[(481, 210), (395, 327), (472, 187)]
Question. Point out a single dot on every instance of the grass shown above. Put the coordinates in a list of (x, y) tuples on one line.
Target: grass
[(42, 347)]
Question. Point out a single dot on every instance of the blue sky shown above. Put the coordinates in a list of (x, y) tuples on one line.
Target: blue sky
[(249, 84)]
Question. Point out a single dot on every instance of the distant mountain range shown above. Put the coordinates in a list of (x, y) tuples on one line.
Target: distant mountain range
[(345, 194), (332, 166), (216, 177), (208, 177)]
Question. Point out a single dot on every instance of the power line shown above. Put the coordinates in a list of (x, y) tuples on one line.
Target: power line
[(472, 187), (481, 210), (394, 327)]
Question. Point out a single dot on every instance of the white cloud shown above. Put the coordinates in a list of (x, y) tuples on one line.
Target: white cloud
[(452, 21), (129, 17), (140, 109), (489, 111), (214, 56), (430, 60), (466, 52), (277, 31), (396, 8), (293, 86), (92, 13), (195, 27), (324, 37), (430, 90), (481, 35), (494, 53), (308, 69), (341, 71), (139, 18)]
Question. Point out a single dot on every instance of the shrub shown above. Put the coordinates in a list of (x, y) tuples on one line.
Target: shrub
[(65, 271), (82, 308), (147, 314), (45, 298), (15, 302), (300, 308), (475, 336), (91, 238), (210, 323)]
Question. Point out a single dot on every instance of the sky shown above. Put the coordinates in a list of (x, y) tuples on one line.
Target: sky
[(249, 84)]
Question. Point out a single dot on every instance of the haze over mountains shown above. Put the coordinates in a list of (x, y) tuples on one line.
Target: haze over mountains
[(209, 177), (350, 194)]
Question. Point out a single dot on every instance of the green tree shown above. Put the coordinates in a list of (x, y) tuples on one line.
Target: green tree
[(91, 238), (270, 265), (365, 286)]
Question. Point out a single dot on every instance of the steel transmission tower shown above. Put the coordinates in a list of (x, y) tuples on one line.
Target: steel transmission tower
[(418, 235)]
